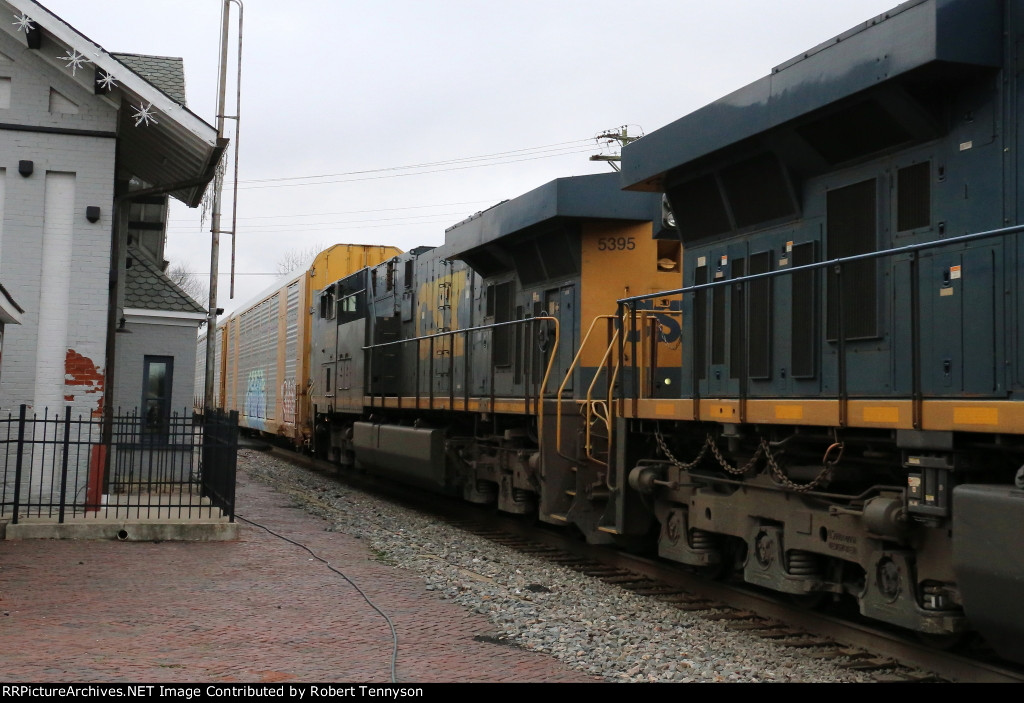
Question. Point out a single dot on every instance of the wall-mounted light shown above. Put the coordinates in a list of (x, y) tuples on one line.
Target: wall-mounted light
[(122, 326), (92, 213), (25, 168)]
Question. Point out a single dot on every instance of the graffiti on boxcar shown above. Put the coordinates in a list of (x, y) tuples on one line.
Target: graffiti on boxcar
[(256, 394), (288, 401)]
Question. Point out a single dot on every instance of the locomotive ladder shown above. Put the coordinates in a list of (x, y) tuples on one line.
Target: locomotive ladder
[(588, 409), (598, 410)]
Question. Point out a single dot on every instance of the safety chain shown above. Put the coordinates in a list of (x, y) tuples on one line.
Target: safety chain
[(671, 457), (729, 468), (826, 469), (709, 443), (763, 448)]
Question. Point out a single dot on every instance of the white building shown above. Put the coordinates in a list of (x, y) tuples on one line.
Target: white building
[(91, 145)]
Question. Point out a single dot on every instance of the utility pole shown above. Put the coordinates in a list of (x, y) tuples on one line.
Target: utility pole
[(622, 137), (215, 230)]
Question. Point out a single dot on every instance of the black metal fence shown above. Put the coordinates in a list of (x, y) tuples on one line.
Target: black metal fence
[(63, 467)]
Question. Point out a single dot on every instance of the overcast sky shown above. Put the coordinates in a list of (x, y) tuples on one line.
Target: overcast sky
[(387, 121)]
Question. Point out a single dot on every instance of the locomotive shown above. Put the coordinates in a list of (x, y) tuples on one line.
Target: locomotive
[(822, 397)]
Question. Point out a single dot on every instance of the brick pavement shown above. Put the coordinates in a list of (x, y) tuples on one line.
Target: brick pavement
[(255, 610)]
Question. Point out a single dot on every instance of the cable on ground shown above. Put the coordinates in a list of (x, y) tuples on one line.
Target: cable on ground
[(394, 633)]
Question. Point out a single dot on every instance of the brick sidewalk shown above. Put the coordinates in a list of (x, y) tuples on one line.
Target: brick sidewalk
[(255, 610)]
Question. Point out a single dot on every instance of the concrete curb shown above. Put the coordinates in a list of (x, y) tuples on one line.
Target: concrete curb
[(125, 531)]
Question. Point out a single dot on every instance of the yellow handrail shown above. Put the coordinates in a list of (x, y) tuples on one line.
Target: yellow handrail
[(590, 402), (540, 394), (565, 381)]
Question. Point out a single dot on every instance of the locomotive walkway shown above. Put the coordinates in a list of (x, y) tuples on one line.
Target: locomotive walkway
[(253, 610)]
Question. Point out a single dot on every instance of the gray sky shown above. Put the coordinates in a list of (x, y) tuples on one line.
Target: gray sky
[(387, 121)]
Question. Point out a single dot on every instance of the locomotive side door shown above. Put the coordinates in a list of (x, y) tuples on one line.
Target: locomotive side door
[(559, 303)]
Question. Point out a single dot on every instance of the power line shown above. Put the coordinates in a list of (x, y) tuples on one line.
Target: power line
[(419, 173), (325, 226), (501, 154), (360, 212)]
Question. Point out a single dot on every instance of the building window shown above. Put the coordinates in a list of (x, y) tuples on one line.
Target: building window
[(157, 376), (147, 217)]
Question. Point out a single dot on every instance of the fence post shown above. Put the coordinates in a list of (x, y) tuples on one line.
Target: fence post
[(64, 463), (233, 451), (17, 470)]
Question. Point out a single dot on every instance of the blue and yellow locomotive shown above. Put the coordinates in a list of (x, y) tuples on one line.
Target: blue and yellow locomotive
[(822, 396)]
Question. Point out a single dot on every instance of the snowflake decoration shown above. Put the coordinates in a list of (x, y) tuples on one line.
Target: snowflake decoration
[(74, 60), (144, 115), (24, 23), (106, 81)]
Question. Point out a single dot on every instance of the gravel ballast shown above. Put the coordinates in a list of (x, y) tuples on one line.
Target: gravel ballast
[(594, 627)]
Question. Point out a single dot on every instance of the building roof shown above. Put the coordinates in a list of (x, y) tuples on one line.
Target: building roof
[(160, 140), (165, 72), (149, 288)]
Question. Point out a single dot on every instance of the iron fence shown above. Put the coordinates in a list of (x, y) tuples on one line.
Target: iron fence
[(63, 467)]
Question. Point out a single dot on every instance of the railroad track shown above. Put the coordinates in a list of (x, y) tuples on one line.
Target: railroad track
[(884, 656), (887, 657)]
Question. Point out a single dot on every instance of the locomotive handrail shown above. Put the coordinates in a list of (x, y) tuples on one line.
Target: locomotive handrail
[(565, 381), (465, 330), (538, 401), (907, 249), (836, 264), (590, 402)]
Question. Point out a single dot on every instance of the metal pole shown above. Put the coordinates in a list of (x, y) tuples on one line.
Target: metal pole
[(238, 131), (211, 315)]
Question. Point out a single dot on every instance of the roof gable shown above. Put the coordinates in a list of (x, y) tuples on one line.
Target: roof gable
[(161, 141)]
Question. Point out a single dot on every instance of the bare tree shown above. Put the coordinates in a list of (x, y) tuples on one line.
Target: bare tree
[(298, 258), (192, 284)]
